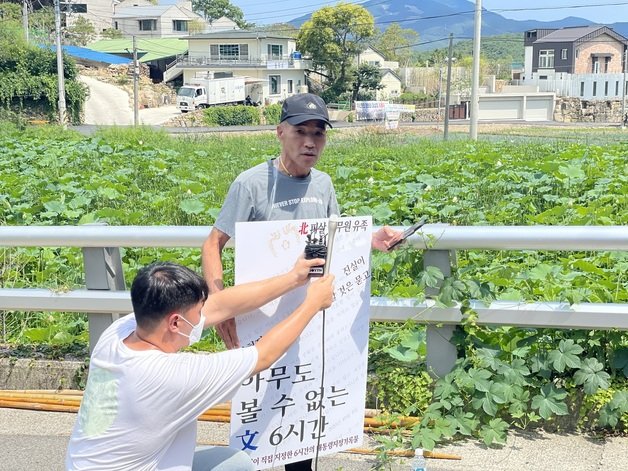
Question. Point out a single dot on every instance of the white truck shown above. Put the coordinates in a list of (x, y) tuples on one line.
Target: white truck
[(209, 92)]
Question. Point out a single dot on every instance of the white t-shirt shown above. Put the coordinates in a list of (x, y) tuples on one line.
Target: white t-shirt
[(139, 408)]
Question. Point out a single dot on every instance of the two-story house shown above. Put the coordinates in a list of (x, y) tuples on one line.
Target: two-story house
[(273, 68), (390, 81), (98, 12), (162, 21), (586, 61)]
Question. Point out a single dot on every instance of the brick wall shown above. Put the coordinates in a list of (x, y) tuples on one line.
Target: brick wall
[(584, 62)]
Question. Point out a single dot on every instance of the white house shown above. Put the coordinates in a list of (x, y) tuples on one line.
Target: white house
[(271, 64), (98, 12), (140, 17), (390, 80), (156, 21)]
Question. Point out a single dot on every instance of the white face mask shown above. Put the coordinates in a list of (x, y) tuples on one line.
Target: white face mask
[(196, 332)]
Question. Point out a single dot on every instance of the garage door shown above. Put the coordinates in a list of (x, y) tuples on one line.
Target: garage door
[(499, 108), (539, 109)]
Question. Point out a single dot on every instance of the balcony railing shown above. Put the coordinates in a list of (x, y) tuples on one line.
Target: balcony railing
[(265, 61)]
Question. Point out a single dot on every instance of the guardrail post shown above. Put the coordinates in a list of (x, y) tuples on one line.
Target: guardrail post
[(441, 353), (103, 271)]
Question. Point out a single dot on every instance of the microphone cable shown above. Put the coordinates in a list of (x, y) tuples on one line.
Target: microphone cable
[(333, 225)]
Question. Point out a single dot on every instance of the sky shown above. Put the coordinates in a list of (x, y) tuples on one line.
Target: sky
[(599, 11)]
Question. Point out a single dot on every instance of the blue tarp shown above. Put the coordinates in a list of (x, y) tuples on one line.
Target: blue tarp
[(93, 56)]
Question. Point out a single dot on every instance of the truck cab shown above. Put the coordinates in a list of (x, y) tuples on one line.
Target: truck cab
[(191, 97)]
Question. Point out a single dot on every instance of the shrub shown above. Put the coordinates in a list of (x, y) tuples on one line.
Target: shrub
[(231, 115), (272, 113), (412, 98)]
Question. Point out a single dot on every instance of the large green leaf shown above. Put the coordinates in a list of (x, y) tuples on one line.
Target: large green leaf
[(620, 360), (549, 402), (192, 206), (566, 355), (593, 377), (494, 432)]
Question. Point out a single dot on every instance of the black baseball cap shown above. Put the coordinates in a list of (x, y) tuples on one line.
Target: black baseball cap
[(304, 107)]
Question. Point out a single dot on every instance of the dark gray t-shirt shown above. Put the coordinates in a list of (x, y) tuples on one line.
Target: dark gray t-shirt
[(262, 193)]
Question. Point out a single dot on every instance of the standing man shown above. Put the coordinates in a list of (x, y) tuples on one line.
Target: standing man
[(143, 396), (283, 188)]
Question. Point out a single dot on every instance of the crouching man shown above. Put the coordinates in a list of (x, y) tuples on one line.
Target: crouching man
[(143, 396)]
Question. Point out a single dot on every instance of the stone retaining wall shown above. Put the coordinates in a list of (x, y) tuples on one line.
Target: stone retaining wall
[(26, 373), (575, 110)]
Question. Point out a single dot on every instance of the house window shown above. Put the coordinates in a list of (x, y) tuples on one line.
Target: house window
[(274, 82), (148, 25), (563, 54), (232, 52), (596, 66), (607, 60), (229, 51), (546, 59), (275, 51), (606, 88), (594, 88), (179, 25), (73, 7), (581, 88), (290, 87), (116, 25), (577, 53), (617, 88)]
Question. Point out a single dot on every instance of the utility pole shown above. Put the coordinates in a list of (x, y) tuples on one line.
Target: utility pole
[(475, 75), (450, 59), (25, 19), (623, 91), (440, 91), (136, 79), (60, 70)]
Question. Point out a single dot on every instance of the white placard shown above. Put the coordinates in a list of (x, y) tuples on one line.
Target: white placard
[(275, 415)]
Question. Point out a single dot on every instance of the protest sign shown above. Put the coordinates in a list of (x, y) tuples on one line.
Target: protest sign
[(276, 415)]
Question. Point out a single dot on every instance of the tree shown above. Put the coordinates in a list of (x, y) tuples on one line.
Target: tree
[(284, 29), (366, 78), (333, 38), (395, 43), (10, 11), (111, 33), (214, 9), (81, 33)]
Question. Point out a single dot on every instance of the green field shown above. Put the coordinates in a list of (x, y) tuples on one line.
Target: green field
[(506, 377)]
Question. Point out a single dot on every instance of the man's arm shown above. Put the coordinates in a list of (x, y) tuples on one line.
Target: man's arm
[(211, 259), (277, 340), (211, 262), (243, 298)]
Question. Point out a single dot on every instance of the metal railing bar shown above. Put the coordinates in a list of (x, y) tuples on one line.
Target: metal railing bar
[(431, 236), (498, 313)]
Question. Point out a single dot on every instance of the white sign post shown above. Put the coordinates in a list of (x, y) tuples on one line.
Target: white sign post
[(276, 415)]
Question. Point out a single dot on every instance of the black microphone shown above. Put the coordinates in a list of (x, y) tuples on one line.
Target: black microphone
[(321, 248)]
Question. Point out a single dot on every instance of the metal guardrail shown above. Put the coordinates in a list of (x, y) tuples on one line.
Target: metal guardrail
[(106, 297)]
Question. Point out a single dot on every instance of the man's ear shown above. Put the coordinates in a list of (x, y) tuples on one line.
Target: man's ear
[(173, 321)]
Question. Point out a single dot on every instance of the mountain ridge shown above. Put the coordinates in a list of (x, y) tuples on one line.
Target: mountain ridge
[(434, 20)]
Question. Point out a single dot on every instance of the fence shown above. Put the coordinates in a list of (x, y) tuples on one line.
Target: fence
[(105, 297)]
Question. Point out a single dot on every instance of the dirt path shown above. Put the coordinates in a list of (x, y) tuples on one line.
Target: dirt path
[(108, 104)]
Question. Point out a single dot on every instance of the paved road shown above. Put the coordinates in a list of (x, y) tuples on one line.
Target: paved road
[(36, 441), (110, 105)]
